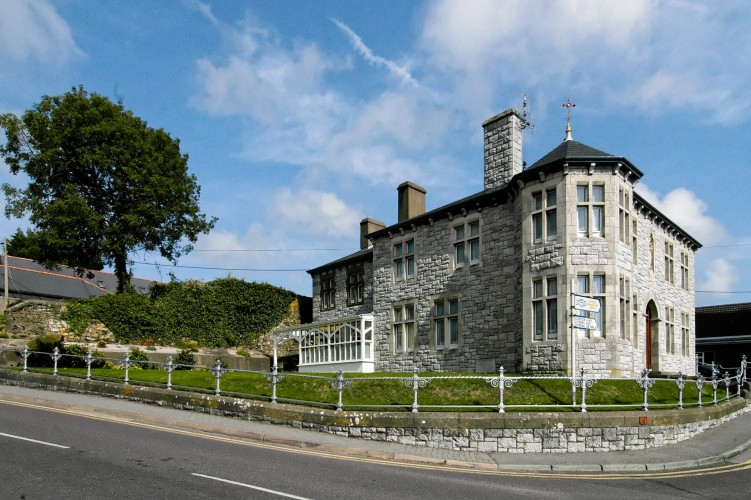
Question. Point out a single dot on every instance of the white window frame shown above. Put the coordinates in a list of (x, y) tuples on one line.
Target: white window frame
[(403, 255), (355, 286), (466, 237), (446, 323), (590, 210), (404, 326), (544, 216), (685, 262), (669, 262), (669, 330), (624, 291), (327, 291), (545, 318), (593, 285), (685, 327)]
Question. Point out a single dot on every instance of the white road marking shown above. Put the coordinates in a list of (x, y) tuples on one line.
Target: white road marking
[(274, 492), (34, 441)]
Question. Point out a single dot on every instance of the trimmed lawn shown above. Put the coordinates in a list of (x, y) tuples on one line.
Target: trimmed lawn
[(388, 390)]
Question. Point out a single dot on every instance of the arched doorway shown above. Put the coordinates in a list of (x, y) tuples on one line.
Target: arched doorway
[(651, 345)]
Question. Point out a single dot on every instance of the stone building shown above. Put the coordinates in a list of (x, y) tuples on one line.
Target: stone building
[(491, 280)]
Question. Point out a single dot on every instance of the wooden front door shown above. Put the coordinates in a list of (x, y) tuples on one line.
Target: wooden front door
[(648, 340)]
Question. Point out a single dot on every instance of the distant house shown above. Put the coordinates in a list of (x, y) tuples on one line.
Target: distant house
[(29, 280), (552, 268), (723, 334)]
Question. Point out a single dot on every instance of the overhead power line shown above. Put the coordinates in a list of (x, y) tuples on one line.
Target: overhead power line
[(276, 250), (218, 268)]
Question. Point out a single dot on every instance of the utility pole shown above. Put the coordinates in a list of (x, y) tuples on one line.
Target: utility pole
[(5, 269)]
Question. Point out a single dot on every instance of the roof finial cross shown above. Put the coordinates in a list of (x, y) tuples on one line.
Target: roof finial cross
[(568, 105)]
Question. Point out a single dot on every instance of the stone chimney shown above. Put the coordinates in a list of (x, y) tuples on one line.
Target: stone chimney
[(503, 148), (368, 226), (411, 200)]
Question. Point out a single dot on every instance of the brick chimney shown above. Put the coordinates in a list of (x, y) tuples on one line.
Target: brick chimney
[(368, 226), (503, 148), (411, 200)]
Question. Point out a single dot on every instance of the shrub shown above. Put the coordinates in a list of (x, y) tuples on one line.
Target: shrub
[(139, 359), (222, 313), (101, 344), (243, 352), (43, 346), (185, 360)]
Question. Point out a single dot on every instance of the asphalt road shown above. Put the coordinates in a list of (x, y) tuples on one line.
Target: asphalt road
[(47, 454)]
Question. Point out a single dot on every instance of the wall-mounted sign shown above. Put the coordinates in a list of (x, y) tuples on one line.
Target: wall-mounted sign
[(583, 323), (586, 304)]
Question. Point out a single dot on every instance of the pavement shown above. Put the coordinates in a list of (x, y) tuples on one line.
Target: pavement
[(727, 443)]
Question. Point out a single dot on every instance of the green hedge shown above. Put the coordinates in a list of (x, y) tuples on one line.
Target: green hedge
[(222, 313)]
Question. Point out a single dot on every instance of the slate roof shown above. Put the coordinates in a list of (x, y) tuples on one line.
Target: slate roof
[(30, 280), (572, 150), (363, 255), (723, 320)]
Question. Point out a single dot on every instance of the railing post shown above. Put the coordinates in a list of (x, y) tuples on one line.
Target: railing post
[(25, 356), (744, 365), (501, 382), (273, 383), (274, 378), (55, 357), (415, 382), (218, 371), (699, 384), (645, 383), (169, 372), (739, 377), (339, 383), (681, 382), (727, 386), (584, 383), (715, 383), (126, 365), (88, 364)]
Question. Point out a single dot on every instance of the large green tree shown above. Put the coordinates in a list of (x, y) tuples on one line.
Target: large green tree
[(102, 184)]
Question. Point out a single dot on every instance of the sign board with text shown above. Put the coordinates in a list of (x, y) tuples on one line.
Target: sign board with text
[(583, 323), (586, 304)]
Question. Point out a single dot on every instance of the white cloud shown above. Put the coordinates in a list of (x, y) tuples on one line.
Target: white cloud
[(719, 276), (316, 213), (688, 211), (659, 56), (33, 29), (400, 72)]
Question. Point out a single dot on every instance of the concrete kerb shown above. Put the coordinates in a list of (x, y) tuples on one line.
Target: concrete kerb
[(211, 404)]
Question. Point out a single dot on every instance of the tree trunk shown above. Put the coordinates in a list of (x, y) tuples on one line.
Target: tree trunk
[(121, 273)]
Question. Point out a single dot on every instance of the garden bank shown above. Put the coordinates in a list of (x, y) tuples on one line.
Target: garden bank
[(513, 432)]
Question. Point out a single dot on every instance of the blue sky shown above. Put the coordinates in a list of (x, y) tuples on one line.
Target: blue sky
[(301, 118)]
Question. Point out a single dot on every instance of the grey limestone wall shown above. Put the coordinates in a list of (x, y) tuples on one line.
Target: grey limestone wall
[(487, 292), (341, 309)]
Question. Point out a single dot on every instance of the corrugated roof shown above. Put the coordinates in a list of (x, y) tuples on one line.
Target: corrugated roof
[(723, 320)]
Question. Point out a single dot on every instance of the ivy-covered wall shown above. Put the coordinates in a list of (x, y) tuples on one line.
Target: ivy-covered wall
[(223, 313)]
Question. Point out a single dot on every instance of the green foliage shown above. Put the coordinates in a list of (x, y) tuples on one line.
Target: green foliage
[(43, 346), (139, 359), (101, 184), (222, 313), (243, 352), (185, 360)]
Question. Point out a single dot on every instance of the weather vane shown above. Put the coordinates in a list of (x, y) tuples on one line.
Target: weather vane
[(568, 105)]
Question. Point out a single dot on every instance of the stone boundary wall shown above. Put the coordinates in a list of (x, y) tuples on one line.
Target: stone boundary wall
[(523, 432)]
